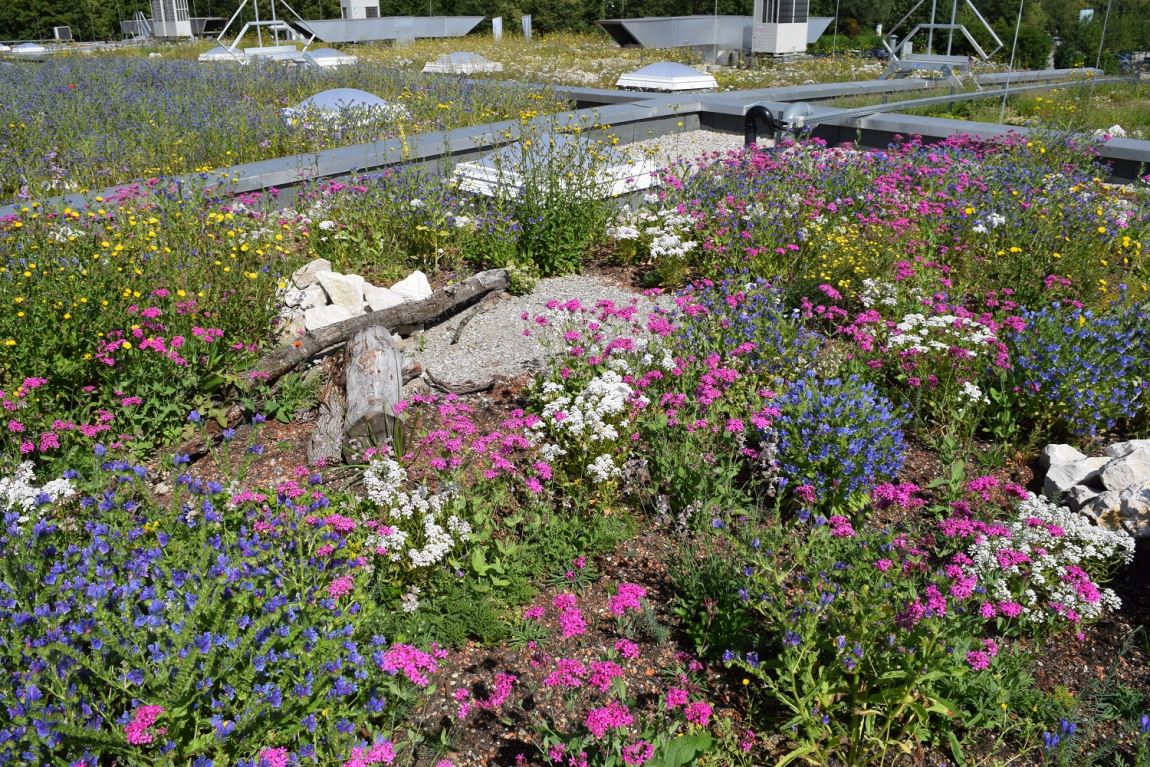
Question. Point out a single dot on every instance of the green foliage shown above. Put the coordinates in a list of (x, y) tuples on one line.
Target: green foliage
[(843, 657), (711, 607)]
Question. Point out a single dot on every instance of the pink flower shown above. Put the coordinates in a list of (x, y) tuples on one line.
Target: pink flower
[(806, 494), (677, 696), (341, 586), (627, 649), (602, 672), (698, 712), (841, 527), (571, 624), (638, 753), (412, 663), (534, 612), (563, 602), (628, 597), (380, 753), (139, 732), (569, 672), (274, 757), (1010, 609), (613, 716), (15, 426)]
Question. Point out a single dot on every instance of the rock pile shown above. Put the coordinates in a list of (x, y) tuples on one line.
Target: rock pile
[(1112, 489), (316, 297)]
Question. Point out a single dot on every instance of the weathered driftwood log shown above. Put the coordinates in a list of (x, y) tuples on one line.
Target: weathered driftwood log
[(400, 319), (374, 375), (326, 443)]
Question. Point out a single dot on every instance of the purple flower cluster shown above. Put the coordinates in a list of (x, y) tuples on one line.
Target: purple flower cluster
[(837, 436)]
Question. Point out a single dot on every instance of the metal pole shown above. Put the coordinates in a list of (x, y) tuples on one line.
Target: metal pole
[(950, 32), (1101, 40), (930, 29), (259, 29), (1010, 69), (275, 26), (835, 38)]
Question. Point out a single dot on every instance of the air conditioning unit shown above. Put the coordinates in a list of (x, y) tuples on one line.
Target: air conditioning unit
[(780, 27)]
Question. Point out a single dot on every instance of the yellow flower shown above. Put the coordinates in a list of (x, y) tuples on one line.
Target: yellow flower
[(125, 345)]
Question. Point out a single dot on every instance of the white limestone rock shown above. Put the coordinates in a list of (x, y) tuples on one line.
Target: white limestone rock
[(378, 299), (1064, 476), (1130, 469), (344, 290), (413, 287), (1119, 449), (1135, 509), (1078, 496), (292, 327), (305, 275), (1105, 509), (313, 296), (322, 316), (1057, 454)]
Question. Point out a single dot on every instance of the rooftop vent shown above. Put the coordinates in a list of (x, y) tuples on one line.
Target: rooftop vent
[(503, 172), (337, 103), (462, 63), (667, 76), (222, 53), (328, 57)]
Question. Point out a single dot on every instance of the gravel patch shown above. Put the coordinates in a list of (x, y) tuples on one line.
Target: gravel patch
[(492, 344), (688, 145)]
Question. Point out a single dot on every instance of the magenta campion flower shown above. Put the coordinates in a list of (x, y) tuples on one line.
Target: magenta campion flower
[(638, 753), (138, 731), (698, 712), (274, 757), (613, 716), (409, 661), (602, 672), (379, 753), (571, 624), (341, 586), (571, 621), (628, 597), (677, 696), (569, 672), (627, 649), (807, 494), (841, 527)]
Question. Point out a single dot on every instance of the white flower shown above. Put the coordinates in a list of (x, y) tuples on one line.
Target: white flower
[(1046, 546), (19, 494), (603, 469), (414, 530), (973, 394)]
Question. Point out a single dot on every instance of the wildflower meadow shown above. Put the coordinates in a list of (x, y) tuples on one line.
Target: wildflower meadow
[(782, 506)]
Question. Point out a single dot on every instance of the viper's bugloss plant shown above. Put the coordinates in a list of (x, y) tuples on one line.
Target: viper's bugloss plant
[(745, 312), (225, 623), (837, 437), (1083, 372)]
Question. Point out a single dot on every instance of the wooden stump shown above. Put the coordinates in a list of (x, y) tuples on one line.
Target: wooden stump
[(374, 376)]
